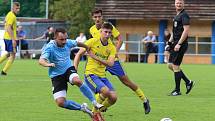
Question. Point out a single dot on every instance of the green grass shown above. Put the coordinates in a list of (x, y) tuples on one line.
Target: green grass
[(25, 95)]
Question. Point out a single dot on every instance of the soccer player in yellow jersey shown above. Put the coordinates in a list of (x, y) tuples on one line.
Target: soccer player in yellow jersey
[(102, 54), (117, 69), (10, 37)]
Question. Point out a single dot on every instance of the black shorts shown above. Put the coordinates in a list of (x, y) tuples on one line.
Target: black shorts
[(59, 83), (176, 57)]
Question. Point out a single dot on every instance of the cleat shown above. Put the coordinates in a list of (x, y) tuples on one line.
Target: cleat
[(175, 93), (190, 86), (146, 106), (98, 106), (3, 73), (98, 117), (86, 110)]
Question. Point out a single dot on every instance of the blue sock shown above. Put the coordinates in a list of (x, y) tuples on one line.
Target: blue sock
[(87, 92), (71, 105)]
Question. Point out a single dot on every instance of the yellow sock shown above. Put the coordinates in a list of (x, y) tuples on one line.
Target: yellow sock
[(107, 103), (99, 99), (8, 65), (140, 94), (3, 58)]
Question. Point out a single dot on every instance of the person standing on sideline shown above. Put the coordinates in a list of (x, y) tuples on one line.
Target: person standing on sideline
[(167, 36), (117, 69), (21, 36), (48, 35), (56, 56), (150, 46), (10, 37), (178, 45)]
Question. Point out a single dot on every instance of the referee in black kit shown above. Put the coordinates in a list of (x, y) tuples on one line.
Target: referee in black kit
[(177, 46)]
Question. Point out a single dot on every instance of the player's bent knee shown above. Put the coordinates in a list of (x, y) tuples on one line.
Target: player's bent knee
[(113, 97), (60, 101)]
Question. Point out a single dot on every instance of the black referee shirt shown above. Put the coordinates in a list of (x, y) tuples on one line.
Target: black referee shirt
[(178, 22)]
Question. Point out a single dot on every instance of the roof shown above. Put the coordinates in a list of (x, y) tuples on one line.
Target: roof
[(155, 9)]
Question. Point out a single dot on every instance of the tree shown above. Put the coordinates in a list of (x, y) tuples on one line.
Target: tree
[(75, 12)]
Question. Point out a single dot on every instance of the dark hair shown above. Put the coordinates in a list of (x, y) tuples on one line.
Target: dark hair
[(16, 3), (96, 11), (107, 25), (59, 30)]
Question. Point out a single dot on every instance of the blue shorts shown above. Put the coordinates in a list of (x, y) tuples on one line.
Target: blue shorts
[(9, 45), (116, 69), (95, 83)]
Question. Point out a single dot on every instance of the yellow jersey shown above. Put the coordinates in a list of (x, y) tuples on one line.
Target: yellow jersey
[(10, 19), (101, 51), (96, 32)]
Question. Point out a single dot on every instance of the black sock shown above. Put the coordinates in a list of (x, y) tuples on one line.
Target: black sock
[(183, 76), (177, 80)]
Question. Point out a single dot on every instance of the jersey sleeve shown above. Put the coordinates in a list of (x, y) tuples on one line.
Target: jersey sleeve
[(185, 19), (113, 51), (115, 32), (46, 53), (71, 43), (89, 42)]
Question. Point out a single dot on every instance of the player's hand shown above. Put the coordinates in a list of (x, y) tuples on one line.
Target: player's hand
[(14, 45), (51, 65), (177, 47)]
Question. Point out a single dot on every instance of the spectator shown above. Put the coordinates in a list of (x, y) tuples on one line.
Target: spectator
[(81, 38), (166, 39), (48, 35), (21, 36), (150, 46)]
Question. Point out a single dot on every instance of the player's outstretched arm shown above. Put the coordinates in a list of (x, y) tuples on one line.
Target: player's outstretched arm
[(78, 56), (80, 44), (43, 62)]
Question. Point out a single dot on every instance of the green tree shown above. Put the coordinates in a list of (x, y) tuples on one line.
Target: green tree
[(75, 12), (4, 7)]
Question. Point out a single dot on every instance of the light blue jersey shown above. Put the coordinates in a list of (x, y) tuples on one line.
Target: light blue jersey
[(60, 56)]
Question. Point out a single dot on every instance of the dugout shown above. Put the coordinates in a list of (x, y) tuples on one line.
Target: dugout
[(134, 18)]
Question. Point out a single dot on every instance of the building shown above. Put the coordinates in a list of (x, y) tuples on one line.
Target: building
[(134, 18)]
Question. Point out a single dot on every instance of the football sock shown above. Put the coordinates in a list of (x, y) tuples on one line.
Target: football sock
[(177, 80), (99, 99), (140, 94), (107, 103), (71, 105), (187, 81), (3, 58), (87, 92), (8, 65)]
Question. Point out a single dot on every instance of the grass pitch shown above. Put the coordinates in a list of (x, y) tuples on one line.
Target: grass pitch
[(25, 95)]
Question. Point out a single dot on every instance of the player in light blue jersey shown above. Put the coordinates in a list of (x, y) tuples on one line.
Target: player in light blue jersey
[(56, 56)]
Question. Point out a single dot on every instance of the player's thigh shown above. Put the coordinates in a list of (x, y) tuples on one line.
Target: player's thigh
[(116, 69), (59, 86), (94, 83)]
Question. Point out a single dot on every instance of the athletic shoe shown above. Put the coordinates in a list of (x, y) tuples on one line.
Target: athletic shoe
[(146, 106), (98, 117), (190, 86), (3, 73), (98, 106), (85, 109), (175, 93)]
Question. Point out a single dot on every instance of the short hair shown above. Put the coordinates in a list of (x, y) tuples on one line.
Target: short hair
[(16, 4), (59, 30), (107, 25), (96, 11)]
